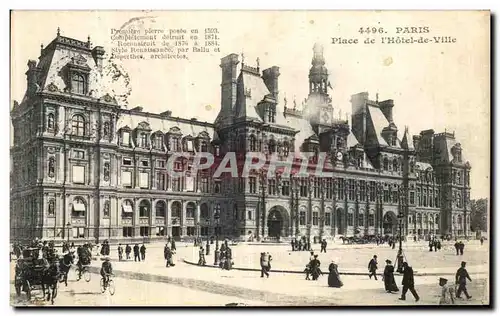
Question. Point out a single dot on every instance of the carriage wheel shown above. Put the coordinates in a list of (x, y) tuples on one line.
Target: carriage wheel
[(86, 275), (28, 290), (102, 286), (111, 286)]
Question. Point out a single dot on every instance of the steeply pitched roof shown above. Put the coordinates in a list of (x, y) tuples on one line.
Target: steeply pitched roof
[(379, 121)]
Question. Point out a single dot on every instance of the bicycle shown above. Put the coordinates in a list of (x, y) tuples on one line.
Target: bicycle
[(110, 285), (85, 273)]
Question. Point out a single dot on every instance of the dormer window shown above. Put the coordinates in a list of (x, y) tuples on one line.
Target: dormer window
[(143, 140), (253, 143), (393, 141), (175, 144), (272, 146), (204, 147), (271, 114), (286, 149), (78, 83), (126, 139), (158, 141)]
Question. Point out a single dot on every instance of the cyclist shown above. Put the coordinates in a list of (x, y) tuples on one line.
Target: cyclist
[(106, 271)]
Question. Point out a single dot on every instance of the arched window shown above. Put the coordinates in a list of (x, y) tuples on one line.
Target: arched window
[(78, 84), (204, 211), (144, 208), (79, 207), (395, 165), (350, 218), (78, 126), (127, 209), (386, 163), (253, 143), (190, 210), (160, 209), (361, 218), (271, 146), (459, 221), (302, 218), (50, 121), (176, 209), (419, 219)]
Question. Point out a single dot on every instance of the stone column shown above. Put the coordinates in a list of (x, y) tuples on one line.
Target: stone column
[(197, 218), (152, 219), (135, 220)]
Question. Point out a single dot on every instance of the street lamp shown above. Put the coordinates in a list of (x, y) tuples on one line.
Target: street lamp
[(68, 227), (217, 252)]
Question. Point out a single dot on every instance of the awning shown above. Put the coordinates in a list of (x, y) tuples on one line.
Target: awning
[(78, 207), (127, 208)]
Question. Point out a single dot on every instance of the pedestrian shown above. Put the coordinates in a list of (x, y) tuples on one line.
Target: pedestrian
[(446, 293), (481, 240), (299, 248), (461, 279), (457, 247), (229, 258), (389, 280), (208, 248), (293, 244), (461, 247), (438, 244), (408, 283), (201, 257), (173, 245), (334, 276), (167, 254), (315, 268), (415, 238), (323, 246), (143, 252), (120, 252), (311, 258), (265, 264), (372, 267), (136, 253), (128, 250)]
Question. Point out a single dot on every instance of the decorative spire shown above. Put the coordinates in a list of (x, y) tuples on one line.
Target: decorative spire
[(376, 97), (88, 39), (242, 58), (41, 47), (294, 103), (58, 31), (258, 62), (285, 100)]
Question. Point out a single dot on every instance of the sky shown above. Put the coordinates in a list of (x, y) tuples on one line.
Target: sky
[(438, 86)]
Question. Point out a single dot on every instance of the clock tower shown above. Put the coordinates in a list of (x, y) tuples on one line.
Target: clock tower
[(319, 104)]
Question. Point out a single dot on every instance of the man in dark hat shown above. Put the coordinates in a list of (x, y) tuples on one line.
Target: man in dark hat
[(136, 253), (372, 267), (408, 283), (461, 279), (446, 293)]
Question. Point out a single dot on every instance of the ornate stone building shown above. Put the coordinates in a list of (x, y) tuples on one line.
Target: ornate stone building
[(86, 167)]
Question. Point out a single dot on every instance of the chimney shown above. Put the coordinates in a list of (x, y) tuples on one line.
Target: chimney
[(32, 77), (270, 77), (358, 116), (98, 55), (228, 84), (386, 108)]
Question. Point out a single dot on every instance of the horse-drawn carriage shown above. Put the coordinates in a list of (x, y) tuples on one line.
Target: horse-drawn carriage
[(34, 273)]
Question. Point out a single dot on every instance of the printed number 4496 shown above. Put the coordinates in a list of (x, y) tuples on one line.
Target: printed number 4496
[(368, 30)]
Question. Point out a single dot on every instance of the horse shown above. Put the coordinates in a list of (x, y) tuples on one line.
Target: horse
[(50, 281), (64, 265)]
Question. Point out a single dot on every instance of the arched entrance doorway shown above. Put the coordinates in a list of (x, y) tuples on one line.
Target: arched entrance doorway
[(340, 221), (390, 223), (277, 222)]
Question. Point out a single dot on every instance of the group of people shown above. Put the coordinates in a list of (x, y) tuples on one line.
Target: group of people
[(435, 244), (139, 252), (303, 244), (459, 247)]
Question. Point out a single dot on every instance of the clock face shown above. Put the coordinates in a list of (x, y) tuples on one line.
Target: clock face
[(339, 156)]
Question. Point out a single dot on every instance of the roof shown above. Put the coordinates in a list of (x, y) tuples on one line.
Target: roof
[(251, 91), (304, 128)]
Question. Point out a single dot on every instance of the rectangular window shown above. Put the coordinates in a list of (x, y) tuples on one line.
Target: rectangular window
[(412, 197), (350, 219), (128, 231), (191, 231), (285, 188), (79, 154), (361, 219), (78, 232), (253, 184), (271, 186), (160, 181), (351, 189), (302, 218), (241, 185), (144, 180), (217, 186), (303, 188), (315, 218), (127, 161), (371, 219), (78, 174), (386, 195), (189, 184), (317, 187), (204, 184), (189, 145), (144, 231), (328, 219), (176, 184), (126, 139), (394, 196), (160, 163), (145, 163), (340, 189), (373, 191), (362, 190), (249, 215), (127, 178)]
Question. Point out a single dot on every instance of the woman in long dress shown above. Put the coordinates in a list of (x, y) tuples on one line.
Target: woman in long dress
[(389, 280), (333, 276)]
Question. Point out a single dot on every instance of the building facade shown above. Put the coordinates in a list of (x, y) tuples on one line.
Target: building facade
[(86, 167)]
